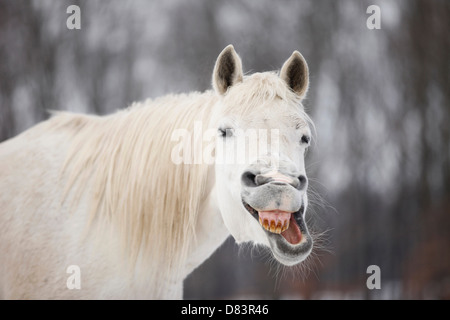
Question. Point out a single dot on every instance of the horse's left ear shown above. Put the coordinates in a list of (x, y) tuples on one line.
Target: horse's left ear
[(295, 73), (228, 70)]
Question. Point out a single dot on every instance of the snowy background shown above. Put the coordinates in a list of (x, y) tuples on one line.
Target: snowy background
[(379, 168)]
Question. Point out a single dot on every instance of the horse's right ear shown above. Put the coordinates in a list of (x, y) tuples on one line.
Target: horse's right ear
[(227, 71)]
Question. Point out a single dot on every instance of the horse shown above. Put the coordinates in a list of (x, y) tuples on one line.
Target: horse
[(99, 207)]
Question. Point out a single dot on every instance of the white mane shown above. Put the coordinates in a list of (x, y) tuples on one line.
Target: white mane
[(122, 162)]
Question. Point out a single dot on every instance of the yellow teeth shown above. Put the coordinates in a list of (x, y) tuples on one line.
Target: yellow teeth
[(274, 227)]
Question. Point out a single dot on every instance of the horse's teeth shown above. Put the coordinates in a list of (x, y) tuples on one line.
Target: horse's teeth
[(286, 226), (274, 227), (278, 229), (264, 224)]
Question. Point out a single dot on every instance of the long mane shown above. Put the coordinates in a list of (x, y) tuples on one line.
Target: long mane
[(122, 164)]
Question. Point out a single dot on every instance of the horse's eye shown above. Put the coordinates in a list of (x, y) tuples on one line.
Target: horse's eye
[(227, 132), (305, 139)]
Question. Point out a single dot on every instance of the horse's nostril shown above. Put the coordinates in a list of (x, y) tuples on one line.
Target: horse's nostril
[(303, 181), (249, 179)]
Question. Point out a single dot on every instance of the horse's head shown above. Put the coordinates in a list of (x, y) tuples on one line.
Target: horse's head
[(262, 186)]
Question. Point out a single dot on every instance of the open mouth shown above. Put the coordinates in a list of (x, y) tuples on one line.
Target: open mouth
[(289, 225)]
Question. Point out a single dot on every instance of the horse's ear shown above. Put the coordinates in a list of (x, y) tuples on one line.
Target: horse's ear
[(295, 73), (227, 71)]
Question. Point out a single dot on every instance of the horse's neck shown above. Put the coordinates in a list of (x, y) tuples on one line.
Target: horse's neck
[(210, 232)]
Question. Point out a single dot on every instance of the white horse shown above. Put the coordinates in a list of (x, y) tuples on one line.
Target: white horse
[(96, 207)]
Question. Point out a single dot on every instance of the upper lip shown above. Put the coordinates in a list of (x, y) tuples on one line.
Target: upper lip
[(254, 212)]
